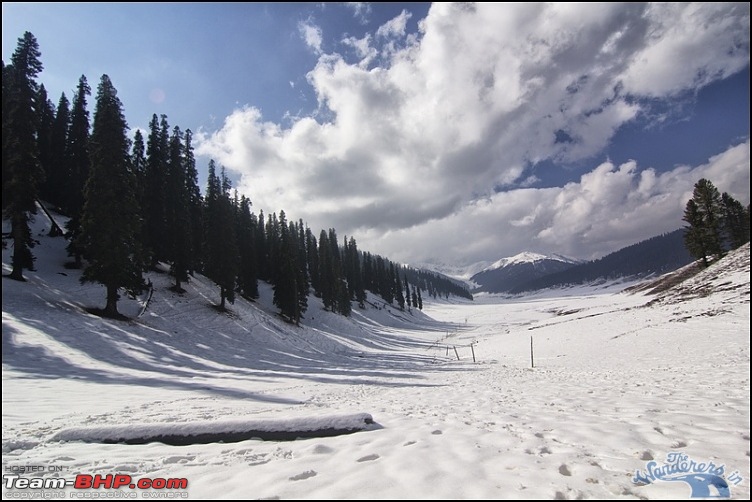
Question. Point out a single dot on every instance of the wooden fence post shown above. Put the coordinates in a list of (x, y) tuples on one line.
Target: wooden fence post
[(532, 360)]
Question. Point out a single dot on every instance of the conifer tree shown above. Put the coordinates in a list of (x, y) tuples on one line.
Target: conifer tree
[(246, 232), (177, 212), (57, 178), (735, 221), (45, 120), (704, 215), (110, 220), (138, 165), (78, 149), (355, 275), (302, 273), (21, 169), (155, 187), (398, 293), (312, 255), (286, 281), (261, 248), (78, 159), (195, 203), (222, 256), (326, 281)]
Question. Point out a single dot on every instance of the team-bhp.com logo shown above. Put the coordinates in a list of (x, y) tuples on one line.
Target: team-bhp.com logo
[(150, 487), (705, 479)]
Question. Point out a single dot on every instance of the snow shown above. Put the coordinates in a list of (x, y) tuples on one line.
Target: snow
[(527, 257), (620, 379), (216, 431)]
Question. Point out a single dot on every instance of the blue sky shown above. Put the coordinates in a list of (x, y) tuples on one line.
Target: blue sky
[(455, 133)]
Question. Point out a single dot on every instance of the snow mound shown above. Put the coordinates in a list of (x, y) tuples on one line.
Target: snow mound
[(181, 434)]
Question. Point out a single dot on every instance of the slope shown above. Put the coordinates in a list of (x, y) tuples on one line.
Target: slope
[(619, 380), (653, 256), (508, 273)]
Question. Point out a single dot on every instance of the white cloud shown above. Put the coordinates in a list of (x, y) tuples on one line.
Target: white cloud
[(395, 27), (311, 35), (361, 11), (363, 49), (608, 208), (416, 143)]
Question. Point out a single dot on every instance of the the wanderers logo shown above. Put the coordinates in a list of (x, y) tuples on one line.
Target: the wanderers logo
[(705, 479)]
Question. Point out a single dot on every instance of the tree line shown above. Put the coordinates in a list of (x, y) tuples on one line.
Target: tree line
[(136, 203), (716, 223)]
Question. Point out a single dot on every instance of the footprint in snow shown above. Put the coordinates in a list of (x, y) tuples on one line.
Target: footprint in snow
[(368, 458), (564, 470)]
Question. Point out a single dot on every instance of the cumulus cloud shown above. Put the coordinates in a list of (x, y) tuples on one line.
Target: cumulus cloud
[(417, 143), (311, 34), (361, 10), (395, 27), (606, 209)]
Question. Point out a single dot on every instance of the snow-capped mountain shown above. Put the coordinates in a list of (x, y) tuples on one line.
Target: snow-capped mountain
[(467, 273), (527, 257), (505, 274)]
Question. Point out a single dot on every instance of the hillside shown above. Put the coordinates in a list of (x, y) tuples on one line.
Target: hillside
[(655, 256), (509, 273), (619, 380)]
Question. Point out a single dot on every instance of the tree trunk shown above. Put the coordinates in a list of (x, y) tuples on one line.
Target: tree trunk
[(18, 251), (112, 297), (222, 293)]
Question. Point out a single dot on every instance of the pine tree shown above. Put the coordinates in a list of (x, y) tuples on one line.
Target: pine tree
[(157, 145), (261, 249), (21, 170), (246, 232), (302, 273), (110, 220), (693, 233), (59, 170), (704, 215), (420, 300), (398, 293), (177, 213), (220, 245), (79, 161), (355, 275), (138, 165), (45, 120), (7, 76), (735, 222), (286, 280), (327, 289), (313, 261), (195, 203)]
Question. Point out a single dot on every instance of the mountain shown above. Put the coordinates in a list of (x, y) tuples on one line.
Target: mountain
[(657, 255), (508, 273)]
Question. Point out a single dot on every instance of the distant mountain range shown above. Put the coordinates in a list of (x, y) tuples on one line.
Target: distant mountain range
[(657, 255), (532, 271), (509, 273)]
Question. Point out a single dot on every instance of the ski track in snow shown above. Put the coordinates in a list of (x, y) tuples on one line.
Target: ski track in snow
[(618, 381)]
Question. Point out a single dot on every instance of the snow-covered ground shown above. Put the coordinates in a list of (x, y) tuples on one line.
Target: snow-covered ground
[(619, 380)]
